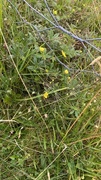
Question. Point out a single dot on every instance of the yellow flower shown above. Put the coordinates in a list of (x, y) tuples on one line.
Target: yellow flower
[(54, 12), (42, 49), (46, 70), (66, 71), (73, 10), (45, 95), (63, 54)]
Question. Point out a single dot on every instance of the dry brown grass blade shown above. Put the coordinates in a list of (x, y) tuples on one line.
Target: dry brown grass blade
[(97, 61)]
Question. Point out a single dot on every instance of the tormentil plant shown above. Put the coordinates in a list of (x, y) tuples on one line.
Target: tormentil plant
[(86, 43), (49, 106)]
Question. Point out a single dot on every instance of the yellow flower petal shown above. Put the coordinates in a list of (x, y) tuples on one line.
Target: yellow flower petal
[(63, 54), (66, 71), (54, 12), (45, 95), (42, 49), (46, 70)]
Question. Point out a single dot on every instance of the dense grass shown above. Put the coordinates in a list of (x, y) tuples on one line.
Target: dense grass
[(50, 117)]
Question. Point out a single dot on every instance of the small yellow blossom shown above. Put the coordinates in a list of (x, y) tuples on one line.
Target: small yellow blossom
[(54, 12), (63, 54), (73, 10), (45, 95), (66, 71), (42, 49), (46, 70)]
